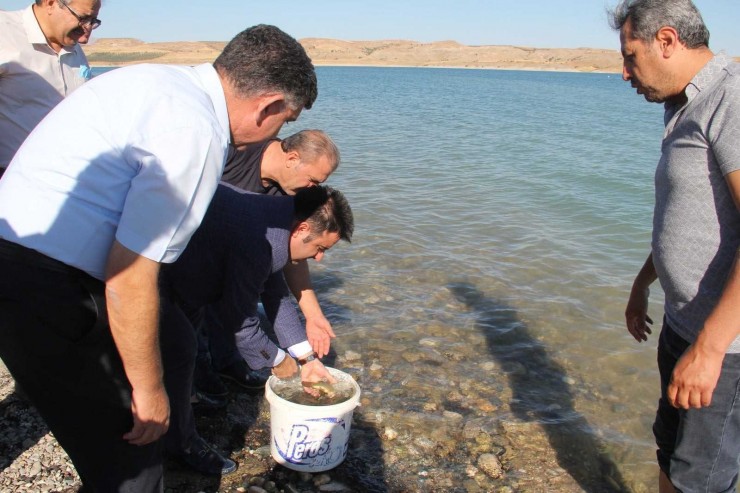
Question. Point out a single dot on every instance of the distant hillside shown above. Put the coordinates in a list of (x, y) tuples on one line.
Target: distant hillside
[(124, 51)]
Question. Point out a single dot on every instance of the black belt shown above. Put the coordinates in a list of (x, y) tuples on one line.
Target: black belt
[(19, 253)]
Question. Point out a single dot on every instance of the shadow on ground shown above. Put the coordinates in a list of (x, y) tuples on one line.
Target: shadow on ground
[(22, 426)]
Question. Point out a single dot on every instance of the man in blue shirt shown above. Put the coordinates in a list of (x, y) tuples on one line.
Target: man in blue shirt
[(88, 214)]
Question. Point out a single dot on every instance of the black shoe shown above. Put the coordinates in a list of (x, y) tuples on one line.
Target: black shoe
[(241, 374), (206, 381), (204, 459)]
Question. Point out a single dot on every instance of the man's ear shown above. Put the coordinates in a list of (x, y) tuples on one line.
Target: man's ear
[(269, 105), (48, 5), (301, 228), (668, 41), (292, 158)]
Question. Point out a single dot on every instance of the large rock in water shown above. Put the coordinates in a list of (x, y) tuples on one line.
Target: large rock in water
[(489, 464)]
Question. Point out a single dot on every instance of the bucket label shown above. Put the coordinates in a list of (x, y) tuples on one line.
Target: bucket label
[(311, 442)]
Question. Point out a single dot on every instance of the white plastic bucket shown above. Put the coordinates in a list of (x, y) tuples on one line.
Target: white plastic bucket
[(310, 438)]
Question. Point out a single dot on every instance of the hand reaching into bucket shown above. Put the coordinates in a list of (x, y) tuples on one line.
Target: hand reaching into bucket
[(286, 368), (312, 373)]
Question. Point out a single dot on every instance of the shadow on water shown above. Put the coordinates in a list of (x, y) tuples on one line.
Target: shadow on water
[(540, 393)]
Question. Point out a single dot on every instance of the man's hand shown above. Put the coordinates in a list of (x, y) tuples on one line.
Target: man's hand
[(151, 412), (636, 315), (312, 372), (133, 313), (319, 333), (286, 368), (694, 378), (318, 328)]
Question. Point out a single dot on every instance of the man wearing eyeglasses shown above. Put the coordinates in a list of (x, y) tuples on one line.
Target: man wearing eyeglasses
[(41, 62)]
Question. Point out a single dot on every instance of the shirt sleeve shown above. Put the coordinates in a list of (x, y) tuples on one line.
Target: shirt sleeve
[(724, 128), (178, 172), (283, 314), (239, 312)]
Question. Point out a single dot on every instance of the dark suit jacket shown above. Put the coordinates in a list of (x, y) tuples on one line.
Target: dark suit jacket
[(235, 260)]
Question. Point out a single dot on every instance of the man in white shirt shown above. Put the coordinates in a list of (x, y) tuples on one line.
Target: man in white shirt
[(111, 184), (41, 62)]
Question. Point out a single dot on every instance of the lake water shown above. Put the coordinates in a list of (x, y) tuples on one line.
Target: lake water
[(501, 217), (511, 211)]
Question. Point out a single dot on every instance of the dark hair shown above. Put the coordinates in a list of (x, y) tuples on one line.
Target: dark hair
[(648, 16), (324, 209), (311, 145), (263, 59)]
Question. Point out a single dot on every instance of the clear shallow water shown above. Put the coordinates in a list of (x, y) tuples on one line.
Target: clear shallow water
[(500, 202), (501, 216)]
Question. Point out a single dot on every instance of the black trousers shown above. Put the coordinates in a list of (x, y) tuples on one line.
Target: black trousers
[(56, 342)]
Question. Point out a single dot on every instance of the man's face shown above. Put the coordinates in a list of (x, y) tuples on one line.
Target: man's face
[(299, 174), (643, 66), (246, 130), (302, 246), (66, 28)]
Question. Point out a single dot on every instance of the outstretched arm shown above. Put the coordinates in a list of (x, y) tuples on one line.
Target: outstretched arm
[(318, 328), (132, 297)]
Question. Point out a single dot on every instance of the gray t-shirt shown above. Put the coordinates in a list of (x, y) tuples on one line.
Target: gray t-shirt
[(696, 225)]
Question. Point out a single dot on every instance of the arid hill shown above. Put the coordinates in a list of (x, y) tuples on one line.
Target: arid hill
[(124, 51), (453, 54)]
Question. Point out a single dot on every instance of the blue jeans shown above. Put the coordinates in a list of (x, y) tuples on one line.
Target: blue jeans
[(698, 449)]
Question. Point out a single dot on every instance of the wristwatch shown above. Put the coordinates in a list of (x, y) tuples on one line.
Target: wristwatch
[(307, 359)]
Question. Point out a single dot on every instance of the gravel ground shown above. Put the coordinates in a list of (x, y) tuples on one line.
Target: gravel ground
[(389, 451)]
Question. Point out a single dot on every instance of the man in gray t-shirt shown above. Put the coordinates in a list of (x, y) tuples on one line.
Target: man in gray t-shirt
[(696, 237)]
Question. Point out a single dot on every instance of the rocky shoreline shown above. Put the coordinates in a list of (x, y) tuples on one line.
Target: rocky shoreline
[(465, 447)]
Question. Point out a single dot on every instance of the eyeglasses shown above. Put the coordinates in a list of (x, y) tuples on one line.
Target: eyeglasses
[(88, 20)]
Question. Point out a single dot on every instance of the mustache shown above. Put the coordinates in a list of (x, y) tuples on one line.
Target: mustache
[(78, 31)]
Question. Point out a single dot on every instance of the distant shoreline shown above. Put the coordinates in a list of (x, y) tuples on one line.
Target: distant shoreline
[(520, 69), (387, 53), (115, 52)]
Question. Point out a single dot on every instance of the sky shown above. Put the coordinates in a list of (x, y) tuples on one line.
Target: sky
[(533, 23)]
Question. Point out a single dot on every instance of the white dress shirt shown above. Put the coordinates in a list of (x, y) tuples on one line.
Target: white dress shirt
[(133, 155), (33, 77)]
